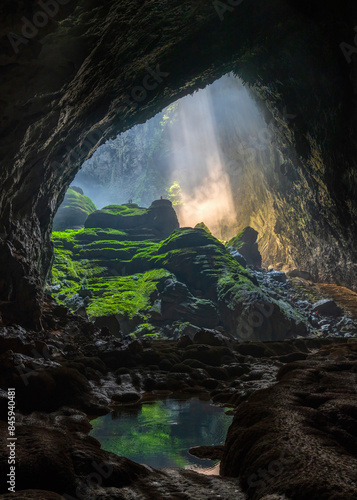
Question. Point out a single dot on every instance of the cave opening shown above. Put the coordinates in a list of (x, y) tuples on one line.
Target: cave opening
[(196, 153), (204, 162), (146, 310)]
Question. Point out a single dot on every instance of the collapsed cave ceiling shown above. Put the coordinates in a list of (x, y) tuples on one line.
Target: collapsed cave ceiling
[(83, 72)]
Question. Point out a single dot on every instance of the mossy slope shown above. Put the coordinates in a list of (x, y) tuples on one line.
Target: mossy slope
[(155, 287)]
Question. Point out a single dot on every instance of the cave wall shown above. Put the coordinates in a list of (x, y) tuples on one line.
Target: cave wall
[(78, 77)]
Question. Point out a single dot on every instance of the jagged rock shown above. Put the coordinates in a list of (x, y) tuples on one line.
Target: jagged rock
[(210, 337), (251, 315), (77, 302), (202, 225), (74, 210), (297, 422), (246, 244), (327, 307), (297, 273), (110, 322), (277, 276), (238, 256)]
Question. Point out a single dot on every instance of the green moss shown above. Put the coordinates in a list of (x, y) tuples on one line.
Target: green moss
[(232, 287), (124, 295), (74, 211), (236, 241), (193, 255), (202, 225), (64, 239), (187, 238), (127, 210), (146, 330), (78, 201)]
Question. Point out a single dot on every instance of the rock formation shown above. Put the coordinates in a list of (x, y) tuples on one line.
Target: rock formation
[(123, 271), (73, 83), (76, 73), (74, 210), (160, 219), (246, 244)]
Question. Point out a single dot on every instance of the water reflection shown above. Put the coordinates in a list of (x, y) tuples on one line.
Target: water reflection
[(160, 433)]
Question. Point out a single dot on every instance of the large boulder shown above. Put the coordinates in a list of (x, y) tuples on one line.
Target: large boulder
[(74, 210), (297, 438), (157, 221), (189, 279), (246, 244), (327, 307)]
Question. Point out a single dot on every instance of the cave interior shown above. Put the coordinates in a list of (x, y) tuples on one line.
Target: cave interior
[(126, 305)]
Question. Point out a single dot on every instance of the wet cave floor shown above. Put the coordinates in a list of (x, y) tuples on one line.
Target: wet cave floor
[(160, 433), (291, 398)]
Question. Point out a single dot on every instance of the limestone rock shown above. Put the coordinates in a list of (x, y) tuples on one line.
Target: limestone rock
[(74, 210), (309, 417), (327, 307), (297, 273), (110, 322), (160, 218), (246, 244), (202, 225), (278, 276)]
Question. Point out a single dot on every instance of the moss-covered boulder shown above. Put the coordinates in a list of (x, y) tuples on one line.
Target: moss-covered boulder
[(246, 244), (153, 287), (155, 222), (202, 225), (74, 210)]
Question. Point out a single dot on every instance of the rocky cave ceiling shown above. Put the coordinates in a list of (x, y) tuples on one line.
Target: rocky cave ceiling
[(75, 73)]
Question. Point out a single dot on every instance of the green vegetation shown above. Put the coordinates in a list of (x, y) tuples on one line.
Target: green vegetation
[(124, 295), (190, 276), (202, 225), (74, 210), (74, 199), (83, 258), (236, 242), (174, 194), (127, 210)]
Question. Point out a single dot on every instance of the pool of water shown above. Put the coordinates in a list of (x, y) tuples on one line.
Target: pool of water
[(160, 433)]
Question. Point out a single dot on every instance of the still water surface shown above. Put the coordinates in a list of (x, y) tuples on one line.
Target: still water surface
[(159, 433)]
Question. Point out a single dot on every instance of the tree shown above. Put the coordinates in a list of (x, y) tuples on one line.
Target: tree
[(174, 194)]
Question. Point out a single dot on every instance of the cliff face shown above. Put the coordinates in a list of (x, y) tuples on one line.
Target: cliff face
[(75, 73)]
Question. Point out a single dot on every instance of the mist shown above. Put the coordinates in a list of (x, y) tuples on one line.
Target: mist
[(210, 122), (204, 142)]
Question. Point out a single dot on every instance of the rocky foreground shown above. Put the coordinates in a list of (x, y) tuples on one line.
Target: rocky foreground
[(293, 435), (175, 313)]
